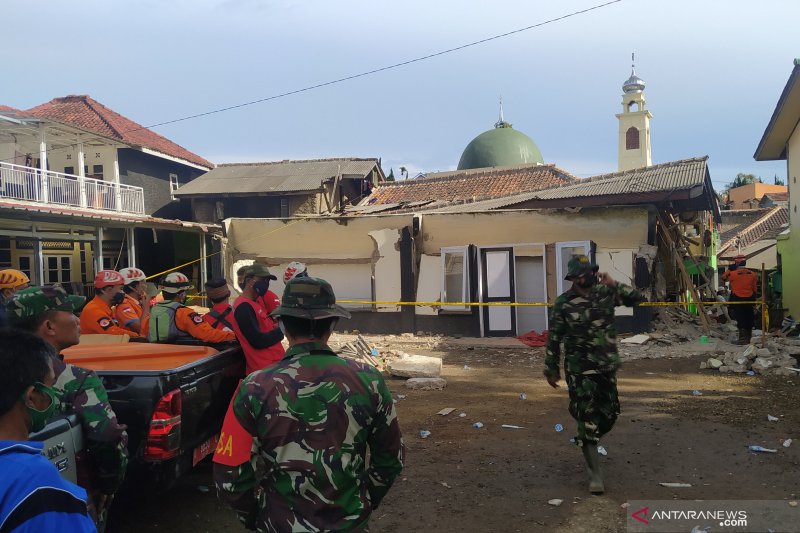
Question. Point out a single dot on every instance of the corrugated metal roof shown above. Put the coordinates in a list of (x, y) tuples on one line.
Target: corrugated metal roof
[(274, 177), (666, 177)]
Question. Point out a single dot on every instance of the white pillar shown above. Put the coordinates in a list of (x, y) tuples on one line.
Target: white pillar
[(38, 259), (131, 247), (117, 192), (98, 251), (82, 174), (203, 264), (44, 192)]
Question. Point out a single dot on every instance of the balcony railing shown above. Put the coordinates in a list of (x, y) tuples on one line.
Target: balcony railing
[(54, 188)]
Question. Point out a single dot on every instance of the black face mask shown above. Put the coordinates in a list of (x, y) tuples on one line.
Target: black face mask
[(587, 280), (261, 287), (118, 298)]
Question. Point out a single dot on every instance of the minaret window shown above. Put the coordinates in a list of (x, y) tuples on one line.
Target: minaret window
[(633, 107), (632, 139)]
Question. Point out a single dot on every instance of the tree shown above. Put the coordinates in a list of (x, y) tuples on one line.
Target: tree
[(404, 172), (778, 181), (741, 180), (390, 177)]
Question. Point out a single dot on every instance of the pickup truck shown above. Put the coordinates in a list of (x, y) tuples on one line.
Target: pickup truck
[(173, 398)]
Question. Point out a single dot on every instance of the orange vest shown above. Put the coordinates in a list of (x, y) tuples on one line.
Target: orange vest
[(743, 282)]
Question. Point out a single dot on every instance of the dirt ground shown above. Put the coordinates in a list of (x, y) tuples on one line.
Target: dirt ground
[(497, 479)]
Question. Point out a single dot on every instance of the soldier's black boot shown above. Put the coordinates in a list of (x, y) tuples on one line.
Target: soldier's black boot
[(592, 457), (740, 341), (747, 335)]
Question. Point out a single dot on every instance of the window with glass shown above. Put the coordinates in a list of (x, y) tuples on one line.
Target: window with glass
[(455, 278)]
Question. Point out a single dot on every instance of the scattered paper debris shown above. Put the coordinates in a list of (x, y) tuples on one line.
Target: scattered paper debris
[(477, 425), (676, 485), (446, 411), (559, 428), (771, 418), (787, 443), (696, 393), (467, 367), (445, 485), (523, 396), (511, 426), (424, 434), (462, 415), (792, 504), (761, 449), (555, 502), (601, 450), (625, 505)]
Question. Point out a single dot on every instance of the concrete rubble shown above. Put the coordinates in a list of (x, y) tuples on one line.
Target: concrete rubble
[(406, 365), (426, 383), (776, 359)]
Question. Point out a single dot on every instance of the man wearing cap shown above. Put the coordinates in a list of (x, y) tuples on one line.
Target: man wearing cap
[(744, 287), (583, 319), (49, 313), (171, 321), (269, 300), (134, 311), (11, 281), (258, 334), (324, 428), (221, 314), (98, 317)]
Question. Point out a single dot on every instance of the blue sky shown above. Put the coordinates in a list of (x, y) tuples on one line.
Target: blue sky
[(714, 71)]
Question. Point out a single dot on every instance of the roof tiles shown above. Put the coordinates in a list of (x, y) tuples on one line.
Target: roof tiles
[(84, 112)]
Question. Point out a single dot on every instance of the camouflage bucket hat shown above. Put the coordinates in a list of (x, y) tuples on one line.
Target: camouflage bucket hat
[(578, 265), (35, 301), (309, 298)]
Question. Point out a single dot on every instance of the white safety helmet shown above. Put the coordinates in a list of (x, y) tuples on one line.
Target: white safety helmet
[(294, 270), (132, 275)]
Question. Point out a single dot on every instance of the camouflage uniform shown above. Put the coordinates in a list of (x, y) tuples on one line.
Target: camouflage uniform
[(82, 392), (307, 424), (586, 327)]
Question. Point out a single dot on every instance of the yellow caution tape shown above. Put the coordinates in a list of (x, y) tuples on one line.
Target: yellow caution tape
[(525, 304)]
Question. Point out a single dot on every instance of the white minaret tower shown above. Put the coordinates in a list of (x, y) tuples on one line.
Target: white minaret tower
[(634, 125)]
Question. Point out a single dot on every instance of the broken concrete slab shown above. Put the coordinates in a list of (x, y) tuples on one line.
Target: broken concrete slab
[(415, 366), (636, 339), (426, 383), (714, 363)]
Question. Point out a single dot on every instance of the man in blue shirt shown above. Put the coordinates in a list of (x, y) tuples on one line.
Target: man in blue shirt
[(33, 496)]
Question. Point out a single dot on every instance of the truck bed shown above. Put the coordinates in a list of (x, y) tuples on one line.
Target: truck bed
[(138, 375)]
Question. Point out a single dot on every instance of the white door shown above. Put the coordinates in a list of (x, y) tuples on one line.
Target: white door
[(566, 251), (497, 265), (530, 283)]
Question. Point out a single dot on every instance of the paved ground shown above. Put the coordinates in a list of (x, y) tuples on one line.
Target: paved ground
[(496, 479)]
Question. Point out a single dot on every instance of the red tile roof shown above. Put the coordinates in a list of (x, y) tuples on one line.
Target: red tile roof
[(743, 227), (7, 109), (471, 185), (84, 112), (777, 196)]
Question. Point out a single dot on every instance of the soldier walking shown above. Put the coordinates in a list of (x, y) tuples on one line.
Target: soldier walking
[(321, 429), (583, 320)]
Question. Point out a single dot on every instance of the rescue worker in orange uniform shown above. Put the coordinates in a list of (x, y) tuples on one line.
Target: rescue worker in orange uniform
[(744, 287), (134, 311), (171, 321), (97, 316), (257, 332), (221, 314)]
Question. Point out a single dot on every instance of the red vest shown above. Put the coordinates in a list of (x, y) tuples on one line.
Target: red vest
[(255, 358)]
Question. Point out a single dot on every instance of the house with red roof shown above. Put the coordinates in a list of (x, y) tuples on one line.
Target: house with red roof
[(83, 187)]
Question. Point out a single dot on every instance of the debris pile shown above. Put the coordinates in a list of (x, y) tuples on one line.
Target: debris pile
[(778, 359)]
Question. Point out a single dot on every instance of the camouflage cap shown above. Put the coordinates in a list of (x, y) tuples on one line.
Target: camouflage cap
[(259, 271), (35, 301), (579, 264), (309, 298)]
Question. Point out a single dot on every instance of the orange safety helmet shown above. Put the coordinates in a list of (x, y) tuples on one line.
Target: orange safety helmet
[(12, 279), (108, 278)]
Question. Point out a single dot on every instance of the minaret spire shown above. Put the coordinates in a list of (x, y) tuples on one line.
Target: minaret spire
[(501, 123)]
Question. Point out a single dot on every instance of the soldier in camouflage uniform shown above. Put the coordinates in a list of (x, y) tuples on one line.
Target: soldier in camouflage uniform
[(311, 443), (49, 313), (583, 319)]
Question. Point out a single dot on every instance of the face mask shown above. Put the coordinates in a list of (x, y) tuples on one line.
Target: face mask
[(118, 298), (261, 287), (39, 418)]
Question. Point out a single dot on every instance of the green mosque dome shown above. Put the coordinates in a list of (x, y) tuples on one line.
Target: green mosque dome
[(501, 146)]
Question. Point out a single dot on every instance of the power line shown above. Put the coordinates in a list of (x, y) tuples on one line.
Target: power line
[(361, 74)]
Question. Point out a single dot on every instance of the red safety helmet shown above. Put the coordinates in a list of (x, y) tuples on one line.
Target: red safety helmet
[(108, 278)]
